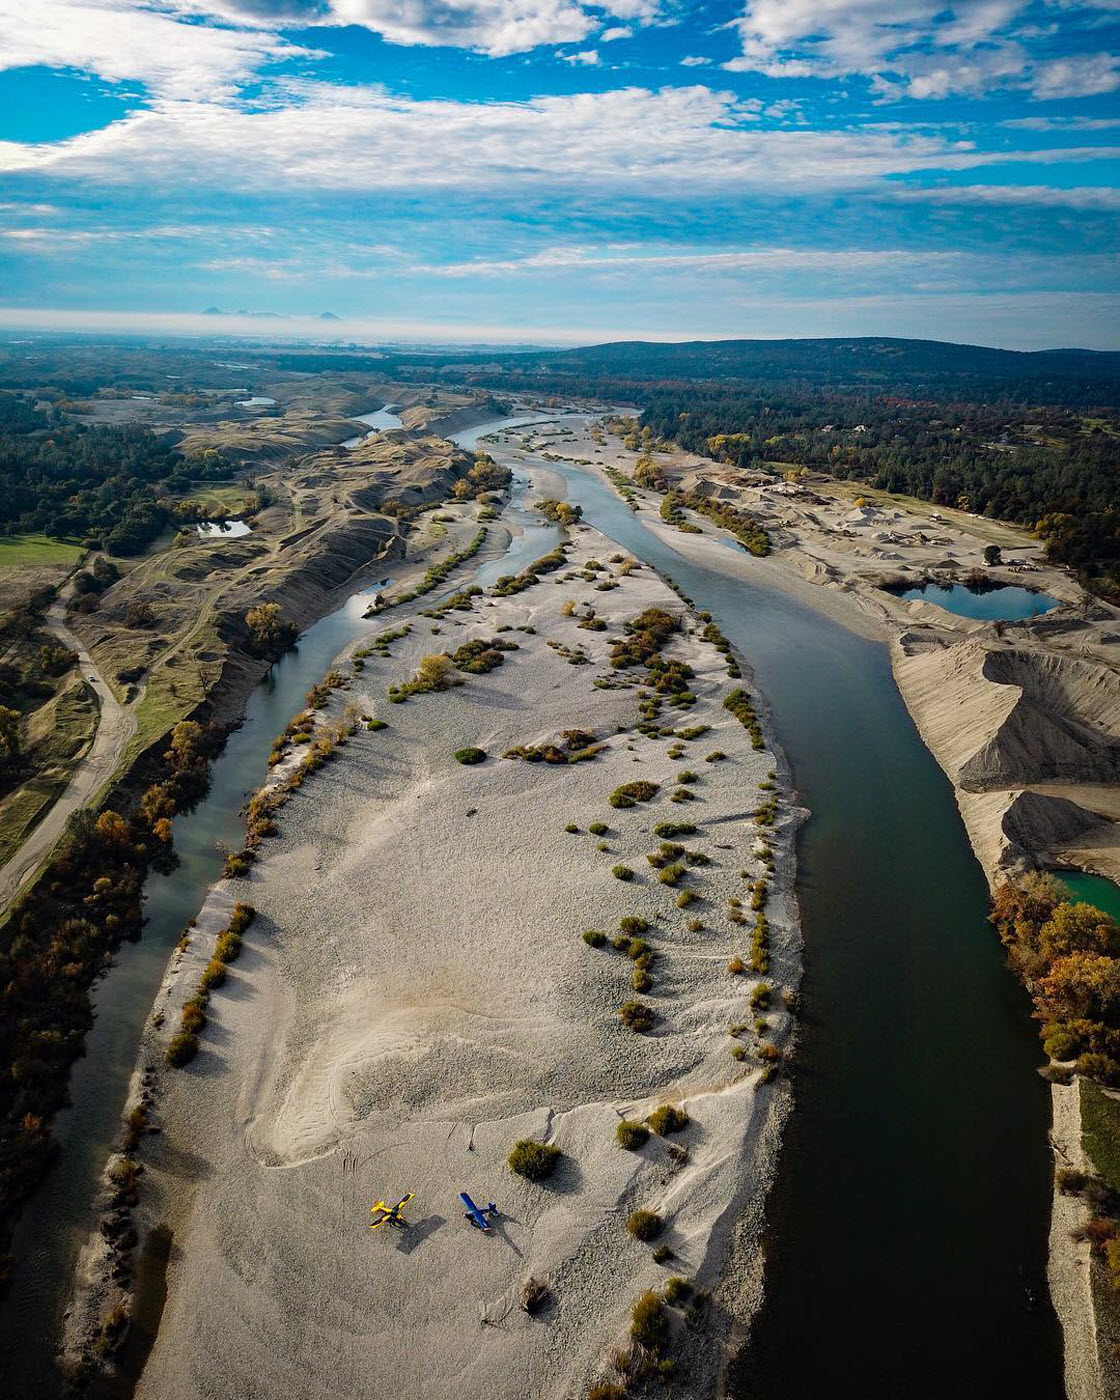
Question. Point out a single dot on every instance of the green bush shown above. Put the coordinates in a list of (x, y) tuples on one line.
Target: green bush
[(181, 1048), (631, 1135), (594, 937), (607, 1390), (677, 1291), (668, 1119), (640, 979), (645, 1225), (685, 898), (637, 1015), (228, 947), (534, 1160), (622, 872), (633, 924), (649, 1325), (627, 794), (470, 755), (674, 829), (572, 829), (213, 975), (662, 1254), (194, 1017)]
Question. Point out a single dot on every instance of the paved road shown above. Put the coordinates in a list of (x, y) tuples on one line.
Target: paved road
[(115, 727)]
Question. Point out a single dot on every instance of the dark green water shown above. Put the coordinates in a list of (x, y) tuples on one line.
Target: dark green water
[(1093, 889), (909, 1226), (58, 1217), (907, 1253)]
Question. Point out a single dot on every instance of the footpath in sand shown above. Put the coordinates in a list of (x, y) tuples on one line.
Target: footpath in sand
[(416, 995)]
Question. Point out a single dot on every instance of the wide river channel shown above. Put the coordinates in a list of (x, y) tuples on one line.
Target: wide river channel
[(907, 1249)]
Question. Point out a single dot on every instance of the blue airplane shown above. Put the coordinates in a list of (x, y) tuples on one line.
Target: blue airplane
[(477, 1217)]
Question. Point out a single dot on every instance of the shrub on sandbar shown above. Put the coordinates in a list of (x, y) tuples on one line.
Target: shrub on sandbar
[(645, 1225), (627, 794), (633, 923), (631, 1135), (182, 1048), (594, 937), (668, 1119), (470, 755), (649, 1326), (622, 872), (637, 1015), (534, 1160)]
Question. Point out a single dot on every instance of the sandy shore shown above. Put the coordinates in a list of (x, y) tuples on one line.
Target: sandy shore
[(415, 996)]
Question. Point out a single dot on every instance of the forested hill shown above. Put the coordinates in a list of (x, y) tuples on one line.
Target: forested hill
[(912, 366), (929, 370)]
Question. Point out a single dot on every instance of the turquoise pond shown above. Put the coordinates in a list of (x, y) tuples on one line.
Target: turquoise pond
[(1004, 603), (1093, 889)]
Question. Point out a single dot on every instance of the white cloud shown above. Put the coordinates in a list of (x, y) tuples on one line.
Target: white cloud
[(494, 27), (694, 60), (917, 48), (618, 31), (1050, 196), (566, 259), (588, 58), (1084, 76), (125, 42), (363, 139)]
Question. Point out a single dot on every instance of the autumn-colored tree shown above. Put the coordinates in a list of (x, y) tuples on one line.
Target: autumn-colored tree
[(186, 746), (9, 737), (1081, 985), (1077, 928), (113, 830)]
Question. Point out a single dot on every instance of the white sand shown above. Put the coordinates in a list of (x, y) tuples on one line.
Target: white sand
[(415, 996)]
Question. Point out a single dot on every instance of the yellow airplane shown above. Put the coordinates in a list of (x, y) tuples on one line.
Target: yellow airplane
[(387, 1214)]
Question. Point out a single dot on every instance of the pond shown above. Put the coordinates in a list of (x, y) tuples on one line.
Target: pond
[(1001, 603), (1092, 889), (379, 421), (224, 529), (257, 401)]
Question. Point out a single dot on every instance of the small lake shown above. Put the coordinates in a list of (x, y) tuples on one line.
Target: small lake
[(1004, 603), (224, 529), (257, 401), (378, 421), (1092, 889)]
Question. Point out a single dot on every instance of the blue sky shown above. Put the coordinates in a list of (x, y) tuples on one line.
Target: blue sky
[(554, 170)]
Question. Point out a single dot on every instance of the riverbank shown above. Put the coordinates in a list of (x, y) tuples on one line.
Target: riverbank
[(59, 1212), (1034, 699), (363, 1043)]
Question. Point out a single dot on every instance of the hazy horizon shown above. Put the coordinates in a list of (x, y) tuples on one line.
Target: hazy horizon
[(561, 171)]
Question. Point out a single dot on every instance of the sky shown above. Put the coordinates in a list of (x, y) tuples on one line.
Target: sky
[(557, 171)]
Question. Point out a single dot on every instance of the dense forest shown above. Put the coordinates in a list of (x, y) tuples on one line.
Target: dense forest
[(1031, 438), (94, 484), (1050, 470)]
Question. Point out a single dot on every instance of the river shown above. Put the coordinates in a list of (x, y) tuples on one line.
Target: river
[(907, 1249), (909, 1226)]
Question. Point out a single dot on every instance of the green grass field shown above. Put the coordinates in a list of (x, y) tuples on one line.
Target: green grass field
[(1100, 1132), (37, 551), (227, 500)]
